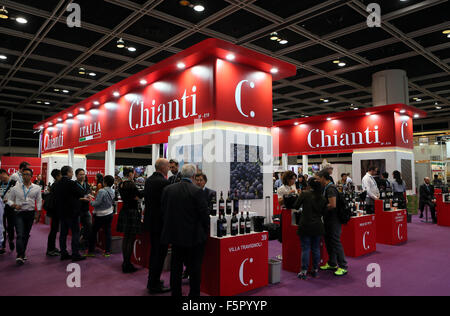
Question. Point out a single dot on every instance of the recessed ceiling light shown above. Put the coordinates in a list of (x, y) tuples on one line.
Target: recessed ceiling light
[(416, 115), (39, 102), (96, 103), (56, 90), (60, 120), (368, 113), (296, 123), (342, 64), (403, 111), (274, 36), (143, 82), (132, 49), (306, 115), (274, 70), (356, 109), (47, 103), (275, 110), (329, 119), (65, 91), (231, 57), (325, 100), (448, 35), (199, 8), (92, 74), (116, 94), (438, 108), (50, 124), (3, 57), (3, 13), (70, 115), (82, 110), (21, 20), (336, 61), (284, 42), (120, 43), (446, 32), (181, 65)]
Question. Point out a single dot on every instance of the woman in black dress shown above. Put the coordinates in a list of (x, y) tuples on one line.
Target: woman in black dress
[(129, 222)]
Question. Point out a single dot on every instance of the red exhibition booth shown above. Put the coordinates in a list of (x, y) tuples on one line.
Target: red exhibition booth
[(442, 208), (364, 133), (226, 88)]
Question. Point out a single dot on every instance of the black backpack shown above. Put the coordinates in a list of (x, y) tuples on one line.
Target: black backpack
[(343, 209)]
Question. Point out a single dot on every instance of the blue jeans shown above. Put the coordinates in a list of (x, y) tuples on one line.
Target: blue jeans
[(310, 244), (24, 223)]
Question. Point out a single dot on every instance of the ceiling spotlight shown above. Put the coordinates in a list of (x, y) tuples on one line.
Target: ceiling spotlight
[(446, 32), (329, 119), (96, 103), (39, 102), (403, 111), (3, 13), (439, 108), (92, 74), (70, 115), (448, 35), (21, 20), (336, 61), (275, 110), (50, 124), (342, 64), (274, 36), (82, 71), (56, 90), (416, 115), (143, 82), (274, 70), (82, 110), (3, 57), (231, 57), (120, 43), (131, 49), (356, 109), (284, 42), (181, 65), (199, 8), (296, 123), (47, 103), (116, 94), (65, 91), (60, 120), (368, 114)]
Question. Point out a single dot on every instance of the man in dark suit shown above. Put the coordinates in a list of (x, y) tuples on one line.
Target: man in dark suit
[(200, 180), (153, 222), (427, 198), (186, 228), (176, 175), (68, 204)]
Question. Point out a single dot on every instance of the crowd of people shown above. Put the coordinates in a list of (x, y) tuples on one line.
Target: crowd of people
[(176, 213)]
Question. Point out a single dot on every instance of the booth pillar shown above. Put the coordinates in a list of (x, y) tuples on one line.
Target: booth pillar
[(71, 157), (285, 161), (110, 159), (305, 164)]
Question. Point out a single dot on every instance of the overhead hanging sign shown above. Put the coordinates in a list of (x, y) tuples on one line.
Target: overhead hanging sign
[(386, 129), (213, 90)]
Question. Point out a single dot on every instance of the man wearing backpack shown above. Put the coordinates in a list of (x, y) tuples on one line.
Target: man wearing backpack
[(333, 228)]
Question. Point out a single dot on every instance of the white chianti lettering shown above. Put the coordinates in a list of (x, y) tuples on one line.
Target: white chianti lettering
[(318, 138), (184, 98)]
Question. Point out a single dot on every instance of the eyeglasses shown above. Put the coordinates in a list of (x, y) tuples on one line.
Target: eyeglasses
[(27, 174)]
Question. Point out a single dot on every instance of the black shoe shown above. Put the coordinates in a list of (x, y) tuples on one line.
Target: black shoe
[(20, 261), (53, 253), (159, 290), (128, 268), (65, 256), (78, 258)]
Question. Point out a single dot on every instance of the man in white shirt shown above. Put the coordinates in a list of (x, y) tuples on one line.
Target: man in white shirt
[(18, 175), (25, 198), (370, 186)]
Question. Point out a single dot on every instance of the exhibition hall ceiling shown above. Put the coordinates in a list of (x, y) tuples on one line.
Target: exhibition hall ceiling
[(46, 66)]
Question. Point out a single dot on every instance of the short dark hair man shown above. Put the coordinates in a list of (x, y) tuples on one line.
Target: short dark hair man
[(85, 215), (68, 197), (52, 212), (18, 175), (176, 176), (427, 198), (201, 180)]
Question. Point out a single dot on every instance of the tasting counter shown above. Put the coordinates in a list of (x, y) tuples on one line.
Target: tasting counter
[(392, 226), (442, 208)]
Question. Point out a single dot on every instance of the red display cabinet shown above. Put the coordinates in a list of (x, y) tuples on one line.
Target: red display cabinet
[(392, 226), (442, 209), (359, 236), (235, 265)]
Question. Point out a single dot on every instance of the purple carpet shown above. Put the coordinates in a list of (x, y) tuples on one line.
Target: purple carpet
[(419, 267)]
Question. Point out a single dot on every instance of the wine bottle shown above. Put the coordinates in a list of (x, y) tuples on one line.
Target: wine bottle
[(213, 211), (236, 203), (228, 205), (248, 224), (242, 224), (219, 227), (221, 204), (234, 225), (224, 226)]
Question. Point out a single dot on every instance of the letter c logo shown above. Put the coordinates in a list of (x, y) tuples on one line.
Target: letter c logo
[(238, 97), (364, 241), (241, 272), (134, 249), (400, 237), (46, 138), (406, 141)]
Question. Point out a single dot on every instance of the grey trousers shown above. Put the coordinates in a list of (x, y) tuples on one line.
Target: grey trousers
[(333, 230)]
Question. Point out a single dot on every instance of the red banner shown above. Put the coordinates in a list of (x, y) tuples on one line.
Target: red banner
[(385, 129), (212, 90), (93, 167), (11, 164)]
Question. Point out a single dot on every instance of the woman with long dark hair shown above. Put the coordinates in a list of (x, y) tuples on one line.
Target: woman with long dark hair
[(399, 187)]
